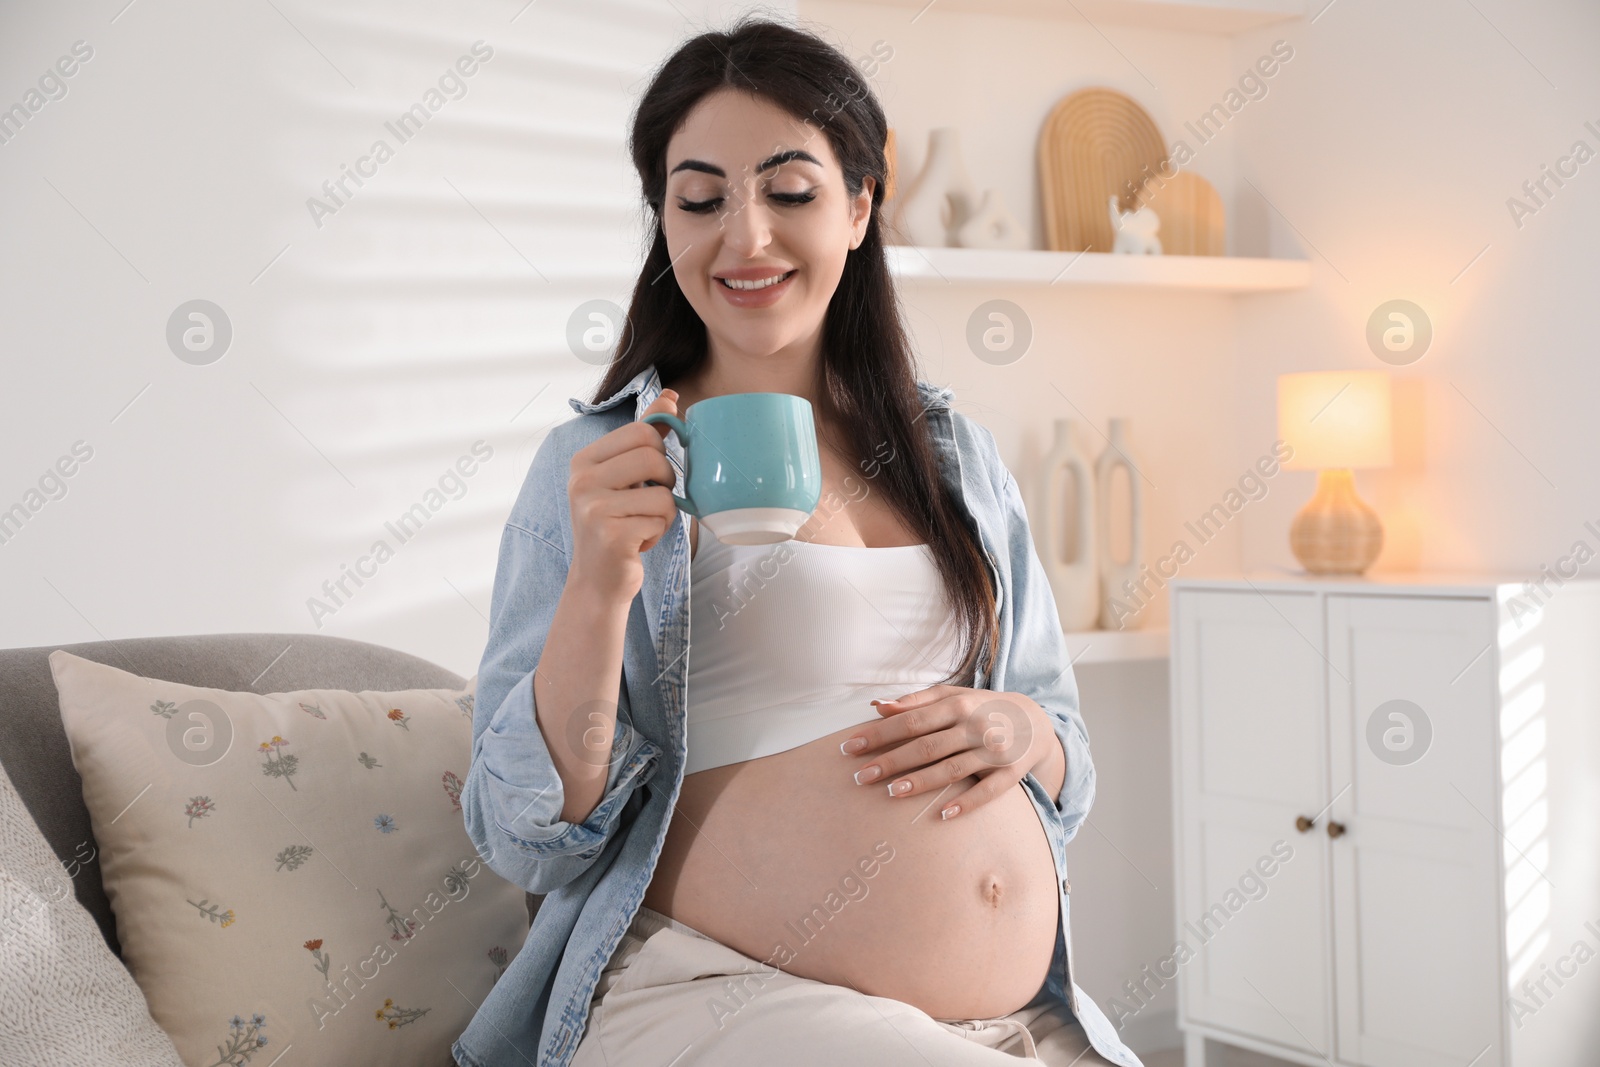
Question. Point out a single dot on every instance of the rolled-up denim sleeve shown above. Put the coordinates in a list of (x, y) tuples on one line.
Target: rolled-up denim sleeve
[(513, 796), (1041, 665)]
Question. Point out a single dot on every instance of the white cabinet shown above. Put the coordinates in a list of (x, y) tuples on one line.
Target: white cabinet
[(1387, 814), (1250, 745)]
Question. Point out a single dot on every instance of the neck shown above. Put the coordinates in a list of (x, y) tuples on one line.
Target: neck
[(796, 370)]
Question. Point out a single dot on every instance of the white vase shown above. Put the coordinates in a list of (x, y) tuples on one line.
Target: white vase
[(1119, 591), (1064, 529), (942, 197), (991, 225)]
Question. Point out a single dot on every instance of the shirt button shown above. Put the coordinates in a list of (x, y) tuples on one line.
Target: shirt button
[(1066, 885)]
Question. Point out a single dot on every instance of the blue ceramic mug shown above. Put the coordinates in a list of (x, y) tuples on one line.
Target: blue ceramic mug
[(752, 472)]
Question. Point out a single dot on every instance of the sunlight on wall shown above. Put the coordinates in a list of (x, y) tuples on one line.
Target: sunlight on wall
[(458, 208), (1524, 810), (396, 209)]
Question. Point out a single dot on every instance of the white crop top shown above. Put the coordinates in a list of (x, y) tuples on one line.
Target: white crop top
[(789, 641)]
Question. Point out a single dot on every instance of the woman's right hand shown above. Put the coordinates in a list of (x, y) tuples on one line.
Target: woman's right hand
[(615, 516)]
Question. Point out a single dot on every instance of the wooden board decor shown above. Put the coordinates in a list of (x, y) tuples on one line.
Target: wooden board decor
[(1190, 212), (1094, 143), (888, 176)]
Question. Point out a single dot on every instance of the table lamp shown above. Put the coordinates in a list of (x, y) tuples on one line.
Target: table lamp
[(1336, 421)]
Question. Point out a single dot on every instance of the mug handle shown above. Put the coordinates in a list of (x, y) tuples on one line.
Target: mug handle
[(683, 431)]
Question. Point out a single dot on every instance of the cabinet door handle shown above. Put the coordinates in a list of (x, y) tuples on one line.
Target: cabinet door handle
[(1304, 824), (1335, 829)]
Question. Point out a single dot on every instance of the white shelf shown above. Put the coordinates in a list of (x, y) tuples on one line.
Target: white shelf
[(986, 266), (1195, 15), (1116, 646)]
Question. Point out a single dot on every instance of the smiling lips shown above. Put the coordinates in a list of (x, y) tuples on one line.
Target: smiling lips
[(754, 286), (752, 274), (772, 279)]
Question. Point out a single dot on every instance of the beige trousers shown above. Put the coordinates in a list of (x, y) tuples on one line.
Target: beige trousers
[(672, 997)]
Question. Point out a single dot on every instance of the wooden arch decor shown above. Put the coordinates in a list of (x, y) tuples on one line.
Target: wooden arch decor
[(1094, 143), (1191, 214)]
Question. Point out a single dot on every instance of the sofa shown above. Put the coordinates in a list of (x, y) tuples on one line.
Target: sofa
[(34, 747)]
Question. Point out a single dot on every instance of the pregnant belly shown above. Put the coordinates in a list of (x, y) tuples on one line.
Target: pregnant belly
[(787, 860)]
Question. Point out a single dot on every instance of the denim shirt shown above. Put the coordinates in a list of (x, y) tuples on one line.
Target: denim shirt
[(593, 874)]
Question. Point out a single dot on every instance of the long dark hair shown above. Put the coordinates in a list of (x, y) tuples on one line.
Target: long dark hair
[(868, 376)]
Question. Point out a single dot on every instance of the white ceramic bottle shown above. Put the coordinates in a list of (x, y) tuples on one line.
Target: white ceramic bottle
[(1062, 519), (941, 199), (1118, 578)]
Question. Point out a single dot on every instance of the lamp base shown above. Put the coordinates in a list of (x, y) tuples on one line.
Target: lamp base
[(1336, 532)]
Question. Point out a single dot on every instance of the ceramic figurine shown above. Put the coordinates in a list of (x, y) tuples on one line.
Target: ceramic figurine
[(1136, 230), (992, 226)]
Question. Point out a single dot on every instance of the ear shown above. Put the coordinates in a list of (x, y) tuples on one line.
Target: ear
[(861, 211)]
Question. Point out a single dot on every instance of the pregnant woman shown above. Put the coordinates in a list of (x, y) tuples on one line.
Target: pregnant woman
[(802, 803)]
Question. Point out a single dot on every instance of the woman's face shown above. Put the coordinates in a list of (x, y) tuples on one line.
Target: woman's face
[(754, 193)]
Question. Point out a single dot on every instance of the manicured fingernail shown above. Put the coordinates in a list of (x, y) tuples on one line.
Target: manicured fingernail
[(901, 786), (951, 810), (868, 774), (854, 744)]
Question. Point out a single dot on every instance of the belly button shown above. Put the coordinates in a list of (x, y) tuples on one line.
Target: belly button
[(992, 891)]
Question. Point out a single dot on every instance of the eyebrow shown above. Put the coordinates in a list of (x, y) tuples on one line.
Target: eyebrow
[(766, 164)]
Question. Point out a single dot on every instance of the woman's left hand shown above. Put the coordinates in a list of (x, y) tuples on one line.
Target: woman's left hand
[(938, 736)]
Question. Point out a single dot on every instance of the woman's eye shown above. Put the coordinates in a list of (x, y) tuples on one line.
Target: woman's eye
[(700, 207)]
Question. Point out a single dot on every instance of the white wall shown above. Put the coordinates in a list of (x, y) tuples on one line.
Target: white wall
[(369, 352), (1393, 144)]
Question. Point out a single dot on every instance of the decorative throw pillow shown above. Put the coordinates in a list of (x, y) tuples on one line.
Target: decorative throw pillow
[(291, 870), (64, 998)]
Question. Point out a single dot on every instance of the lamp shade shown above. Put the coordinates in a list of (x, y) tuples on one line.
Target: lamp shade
[(1335, 419)]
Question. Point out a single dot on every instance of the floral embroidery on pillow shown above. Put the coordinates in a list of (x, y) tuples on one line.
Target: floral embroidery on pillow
[(367, 761), (312, 710), (399, 1017), (452, 788), (384, 823), (214, 912), (499, 957), (324, 961), (398, 717), (164, 708), (465, 703), (244, 1040), (401, 927), (292, 857), (278, 765), (198, 808)]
